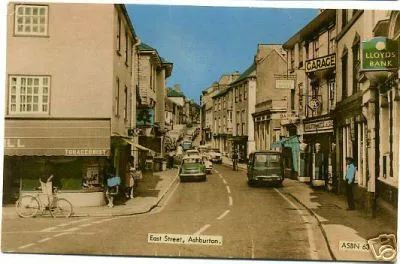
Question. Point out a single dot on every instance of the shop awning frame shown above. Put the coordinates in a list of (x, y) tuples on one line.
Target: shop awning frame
[(136, 145)]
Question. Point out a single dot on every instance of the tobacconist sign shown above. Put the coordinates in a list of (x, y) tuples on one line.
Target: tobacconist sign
[(380, 54)]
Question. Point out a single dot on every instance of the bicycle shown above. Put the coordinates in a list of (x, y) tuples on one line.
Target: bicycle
[(29, 205)]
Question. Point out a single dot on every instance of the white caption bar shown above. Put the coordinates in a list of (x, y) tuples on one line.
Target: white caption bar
[(184, 239)]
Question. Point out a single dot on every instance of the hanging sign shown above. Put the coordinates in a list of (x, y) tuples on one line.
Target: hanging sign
[(380, 54)]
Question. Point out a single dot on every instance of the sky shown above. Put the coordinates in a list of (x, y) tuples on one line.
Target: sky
[(205, 42)]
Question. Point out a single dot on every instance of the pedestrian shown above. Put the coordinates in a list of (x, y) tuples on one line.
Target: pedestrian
[(46, 182), (235, 158), (170, 159), (112, 186), (130, 178), (349, 180)]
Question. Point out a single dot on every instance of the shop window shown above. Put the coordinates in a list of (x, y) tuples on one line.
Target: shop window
[(31, 20), (29, 94)]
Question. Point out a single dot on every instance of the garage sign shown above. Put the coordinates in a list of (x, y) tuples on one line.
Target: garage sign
[(321, 63)]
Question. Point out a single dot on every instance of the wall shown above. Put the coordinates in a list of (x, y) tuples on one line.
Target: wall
[(80, 56)]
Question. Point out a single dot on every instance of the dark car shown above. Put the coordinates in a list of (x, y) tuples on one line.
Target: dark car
[(265, 167)]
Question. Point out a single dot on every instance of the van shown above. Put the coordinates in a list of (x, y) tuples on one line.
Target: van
[(265, 167)]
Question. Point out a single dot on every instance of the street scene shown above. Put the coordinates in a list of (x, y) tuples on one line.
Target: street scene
[(120, 144)]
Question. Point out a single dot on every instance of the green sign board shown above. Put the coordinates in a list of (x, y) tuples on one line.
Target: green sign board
[(380, 54)]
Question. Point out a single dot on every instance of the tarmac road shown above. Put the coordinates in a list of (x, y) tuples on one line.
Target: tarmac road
[(253, 223)]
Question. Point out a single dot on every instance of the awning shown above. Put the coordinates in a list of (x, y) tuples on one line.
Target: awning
[(57, 137), (136, 145)]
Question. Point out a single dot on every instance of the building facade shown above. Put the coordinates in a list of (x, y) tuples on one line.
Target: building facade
[(271, 101), (57, 114)]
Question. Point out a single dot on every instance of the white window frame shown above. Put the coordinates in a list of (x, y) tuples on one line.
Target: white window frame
[(25, 18), (21, 94)]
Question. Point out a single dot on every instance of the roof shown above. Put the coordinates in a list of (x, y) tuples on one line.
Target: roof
[(246, 73), (144, 47), (174, 93), (323, 19), (128, 19)]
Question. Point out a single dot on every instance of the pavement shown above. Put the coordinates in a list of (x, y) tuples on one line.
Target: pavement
[(151, 189), (343, 230)]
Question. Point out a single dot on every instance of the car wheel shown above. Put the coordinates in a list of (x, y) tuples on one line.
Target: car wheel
[(279, 184)]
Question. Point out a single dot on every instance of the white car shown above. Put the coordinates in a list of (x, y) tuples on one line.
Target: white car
[(192, 152), (207, 163), (215, 156)]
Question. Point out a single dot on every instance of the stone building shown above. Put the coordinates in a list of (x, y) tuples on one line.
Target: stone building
[(243, 98), (207, 113), (151, 77), (222, 108), (73, 118), (311, 54), (271, 102), (357, 110)]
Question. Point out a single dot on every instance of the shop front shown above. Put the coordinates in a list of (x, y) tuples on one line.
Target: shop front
[(239, 144), (317, 159), (76, 151)]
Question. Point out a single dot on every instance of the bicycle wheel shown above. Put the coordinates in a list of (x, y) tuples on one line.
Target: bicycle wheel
[(27, 206), (61, 208)]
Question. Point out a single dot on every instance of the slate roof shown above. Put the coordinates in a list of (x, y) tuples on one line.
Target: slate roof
[(246, 73)]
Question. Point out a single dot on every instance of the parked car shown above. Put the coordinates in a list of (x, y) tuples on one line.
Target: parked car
[(192, 152), (215, 156), (207, 163), (192, 168), (186, 144), (265, 167)]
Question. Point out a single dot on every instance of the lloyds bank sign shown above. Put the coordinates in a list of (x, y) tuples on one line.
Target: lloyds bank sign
[(380, 54)]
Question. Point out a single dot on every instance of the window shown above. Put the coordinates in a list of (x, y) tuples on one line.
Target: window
[(292, 94), (116, 100), (292, 60), (119, 35), (356, 66), (126, 49), (31, 20), (332, 42), (126, 104), (316, 47), (29, 95), (307, 50), (245, 93), (344, 18), (331, 94), (300, 55), (236, 94), (344, 75), (240, 94)]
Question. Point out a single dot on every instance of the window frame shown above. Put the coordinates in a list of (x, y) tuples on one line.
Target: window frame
[(116, 99), (119, 29), (356, 65), (344, 70), (126, 48), (18, 94), (126, 103), (31, 34)]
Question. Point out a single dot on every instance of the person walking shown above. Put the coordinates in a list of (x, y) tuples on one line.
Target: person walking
[(112, 186), (170, 159), (235, 158), (130, 178), (349, 180)]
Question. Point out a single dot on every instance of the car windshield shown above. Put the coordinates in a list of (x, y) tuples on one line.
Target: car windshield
[(267, 160), (195, 160)]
